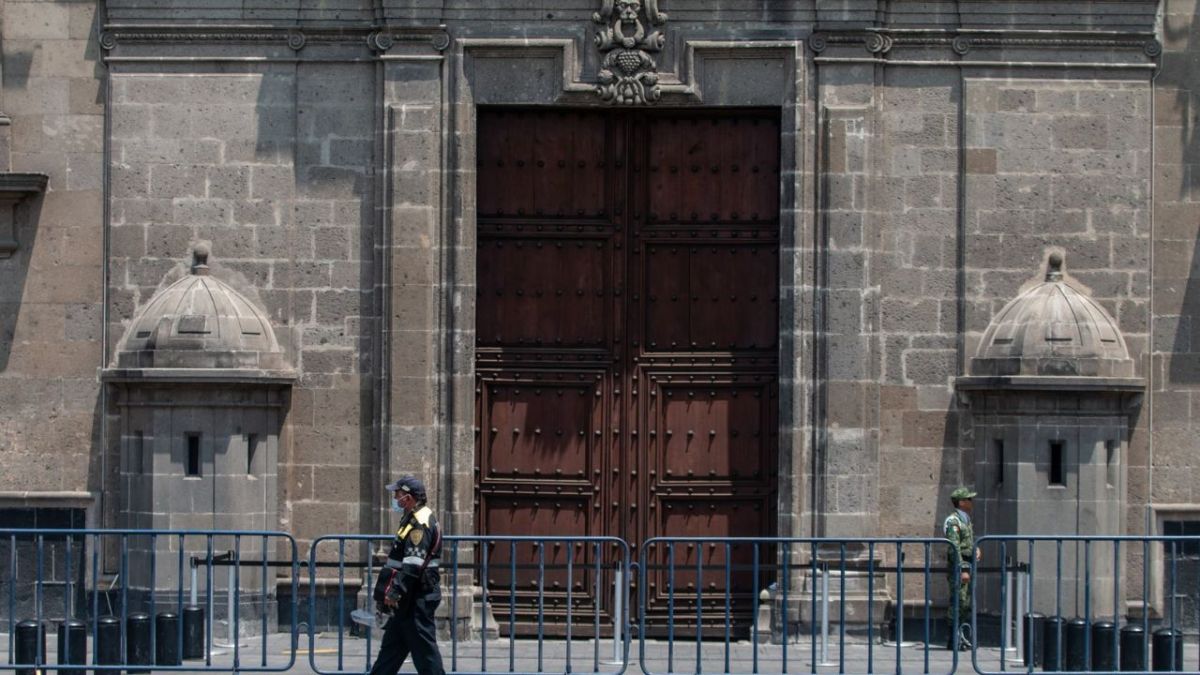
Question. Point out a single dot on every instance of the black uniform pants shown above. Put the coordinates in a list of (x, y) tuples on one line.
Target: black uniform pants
[(411, 631)]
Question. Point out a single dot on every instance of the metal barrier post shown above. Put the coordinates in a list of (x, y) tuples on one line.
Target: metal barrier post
[(229, 602), (1006, 611), (825, 615), (618, 612), (1018, 640), (900, 599), (231, 641)]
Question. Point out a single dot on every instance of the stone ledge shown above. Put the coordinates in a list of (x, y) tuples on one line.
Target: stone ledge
[(197, 376), (14, 189), (1048, 383), (42, 498)]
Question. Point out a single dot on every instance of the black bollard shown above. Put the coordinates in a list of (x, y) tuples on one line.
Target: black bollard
[(137, 642), (1104, 648), (107, 642), (1075, 645), (72, 645), (27, 642), (1133, 647), (1167, 650), (193, 632), (166, 639), (1051, 656), (1032, 625)]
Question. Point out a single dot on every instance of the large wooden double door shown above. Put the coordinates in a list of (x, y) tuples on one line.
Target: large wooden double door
[(627, 325)]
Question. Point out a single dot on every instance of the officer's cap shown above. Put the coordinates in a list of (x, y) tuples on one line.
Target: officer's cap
[(962, 493), (410, 484)]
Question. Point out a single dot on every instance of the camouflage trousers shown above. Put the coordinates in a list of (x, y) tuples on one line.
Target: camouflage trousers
[(960, 596)]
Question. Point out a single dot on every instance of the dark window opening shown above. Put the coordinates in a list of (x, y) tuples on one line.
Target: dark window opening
[(193, 455), (64, 559), (251, 450), (1056, 463), (1181, 573), (998, 444)]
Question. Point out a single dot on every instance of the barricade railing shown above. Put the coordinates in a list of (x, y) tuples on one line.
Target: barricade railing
[(1088, 578), (735, 576), (517, 604), (117, 599), (208, 600)]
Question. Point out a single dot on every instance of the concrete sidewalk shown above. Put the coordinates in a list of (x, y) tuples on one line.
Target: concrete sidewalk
[(330, 653)]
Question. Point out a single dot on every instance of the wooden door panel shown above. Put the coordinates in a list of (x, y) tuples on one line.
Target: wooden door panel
[(717, 434), (711, 297), (668, 300), (515, 568), (712, 170), (543, 291), (542, 164), (537, 430), (692, 517), (734, 296)]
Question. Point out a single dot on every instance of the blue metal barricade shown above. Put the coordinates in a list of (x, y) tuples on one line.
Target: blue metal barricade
[(532, 604), (761, 605), (107, 577), (1078, 582), (516, 604)]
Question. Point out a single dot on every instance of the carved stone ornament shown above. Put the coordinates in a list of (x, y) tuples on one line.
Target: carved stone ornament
[(628, 73)]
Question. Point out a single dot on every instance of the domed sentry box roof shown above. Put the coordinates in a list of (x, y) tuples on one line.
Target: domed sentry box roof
[(200, 328), (1052, 336)]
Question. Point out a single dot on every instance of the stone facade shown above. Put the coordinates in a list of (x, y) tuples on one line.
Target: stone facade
[(932, 154)]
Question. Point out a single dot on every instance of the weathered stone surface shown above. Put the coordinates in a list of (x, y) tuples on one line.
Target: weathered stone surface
[(336, 190)]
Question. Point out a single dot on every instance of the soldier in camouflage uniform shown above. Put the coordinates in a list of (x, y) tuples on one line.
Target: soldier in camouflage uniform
[(958, 529)]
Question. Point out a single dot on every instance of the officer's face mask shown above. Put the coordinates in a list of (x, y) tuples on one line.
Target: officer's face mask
[(396, 506)]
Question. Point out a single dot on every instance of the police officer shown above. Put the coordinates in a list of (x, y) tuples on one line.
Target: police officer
[(409, 586), (958, 529)]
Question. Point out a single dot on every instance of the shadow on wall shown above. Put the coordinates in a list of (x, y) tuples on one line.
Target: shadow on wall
[(1181, 73), (13, 273), (327, 142), (957, 468)]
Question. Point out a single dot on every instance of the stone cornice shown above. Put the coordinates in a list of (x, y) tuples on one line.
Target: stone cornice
[(962, 41), (375, 37)]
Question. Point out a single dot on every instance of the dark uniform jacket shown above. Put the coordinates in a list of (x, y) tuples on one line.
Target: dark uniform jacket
[(412, 564)]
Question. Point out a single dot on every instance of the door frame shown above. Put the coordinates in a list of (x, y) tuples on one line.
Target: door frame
[(476, 80), (522, 367)]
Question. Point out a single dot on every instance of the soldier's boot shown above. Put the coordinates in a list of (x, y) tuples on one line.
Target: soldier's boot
[(964, 637)]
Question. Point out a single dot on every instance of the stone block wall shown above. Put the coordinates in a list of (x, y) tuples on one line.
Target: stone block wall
[(919, 169), (51, 329), (271, 164)]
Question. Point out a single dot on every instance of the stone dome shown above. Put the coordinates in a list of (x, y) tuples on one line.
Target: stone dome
[(1053, 330), (200, 322)]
